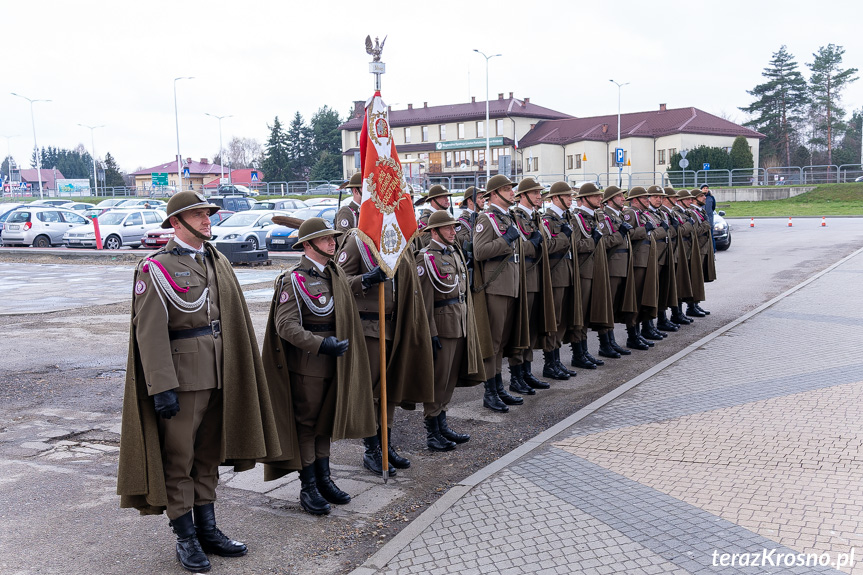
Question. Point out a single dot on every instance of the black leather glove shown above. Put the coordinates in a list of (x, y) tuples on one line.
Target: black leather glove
[(467, 247), (536, 239), (674, 223), (332, 346), (625, 228), (649, 227), (373, 277), (436, 345), (511, 234), (567, 231), (596, 235), (664, 226), (166, 403)]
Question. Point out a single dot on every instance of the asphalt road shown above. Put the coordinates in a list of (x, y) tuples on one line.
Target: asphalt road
[(61, 393)]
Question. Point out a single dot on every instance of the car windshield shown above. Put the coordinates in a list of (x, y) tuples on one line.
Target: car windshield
[(112, 218), (240, 220), (19, 217), (306, 213)]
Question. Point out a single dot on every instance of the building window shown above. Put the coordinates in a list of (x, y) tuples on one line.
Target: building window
[(407, 135), (569, 162), (448, 159), (461, 131), (625, 156), (660, 157), (480, 129), (461, 159), (425, 133), (671, 152), (443, 132), (356, 138), (499, 125), (496, 153), (479, 158), (578, 161)]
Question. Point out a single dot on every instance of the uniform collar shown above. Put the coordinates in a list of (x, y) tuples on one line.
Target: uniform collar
[(556, 210), (186, 246), (612, 209), (525, 209)]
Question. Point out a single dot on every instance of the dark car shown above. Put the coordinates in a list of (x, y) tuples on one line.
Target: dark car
[(232, 203), (721, 231), (283, 238), (234, 190)]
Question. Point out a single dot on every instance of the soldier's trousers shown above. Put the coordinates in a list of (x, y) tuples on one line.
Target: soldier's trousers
[(639, 291), (446, 371), (501, 314), (554, 340), (191, 450), (617, 285), (374, 349), (534, 317), (308, 393)]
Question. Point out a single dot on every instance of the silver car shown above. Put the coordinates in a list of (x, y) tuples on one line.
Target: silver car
[(249, 226), (117, 228), (39, 226)]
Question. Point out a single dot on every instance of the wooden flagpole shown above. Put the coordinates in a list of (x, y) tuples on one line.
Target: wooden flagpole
[(385, 467)]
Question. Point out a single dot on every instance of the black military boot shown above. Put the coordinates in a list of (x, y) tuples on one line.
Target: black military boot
[(677, 316), (643, 340), (503, 395), (618, 348), (587, 355), (326, 487), (652, 324), (310, 498), (632, 339), (662, 323), (448, 433), (649, 332), (550, 368), (373, 458), (530, 379), (396, 460), (701, 309), (212, 540), (578, 358), (434, 440), (189, 552), (605, 347), (561, 366), (516, 383), (490, 398), (693, 311)]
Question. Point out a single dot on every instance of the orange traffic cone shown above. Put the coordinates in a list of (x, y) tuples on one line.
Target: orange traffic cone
[(789, 221), (823, 222), (751, 222)]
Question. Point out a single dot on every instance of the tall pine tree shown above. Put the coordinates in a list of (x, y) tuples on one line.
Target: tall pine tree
[(277, 164), (779, 104), (113, 176), (826, 84), (300, 148)]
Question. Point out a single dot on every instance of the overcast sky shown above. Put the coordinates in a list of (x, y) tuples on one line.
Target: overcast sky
[(113, 63)]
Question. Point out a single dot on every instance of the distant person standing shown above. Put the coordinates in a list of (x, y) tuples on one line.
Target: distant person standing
[(709, 207)]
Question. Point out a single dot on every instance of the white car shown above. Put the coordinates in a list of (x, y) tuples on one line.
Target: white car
[(249, 226), (39, 226), (117, 228)]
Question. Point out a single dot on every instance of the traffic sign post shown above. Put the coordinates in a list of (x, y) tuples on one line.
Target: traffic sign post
[(254, 176), (705, 166), (618, 156)]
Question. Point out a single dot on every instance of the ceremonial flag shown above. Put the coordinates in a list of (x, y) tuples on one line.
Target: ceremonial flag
[(387, 221)]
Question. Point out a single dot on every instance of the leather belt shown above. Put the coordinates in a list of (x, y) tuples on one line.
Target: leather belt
[(645, 242), (316, 327), (512, 258), (557, 256), (374, 316), (624, 251), (450, 301), (529, 259), (214, 329)]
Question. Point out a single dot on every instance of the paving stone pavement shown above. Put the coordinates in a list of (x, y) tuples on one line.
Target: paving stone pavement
[(742, 454)]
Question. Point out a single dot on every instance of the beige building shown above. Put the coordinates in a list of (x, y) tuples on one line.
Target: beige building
[(200, 175), (450, 141), (580, 149)]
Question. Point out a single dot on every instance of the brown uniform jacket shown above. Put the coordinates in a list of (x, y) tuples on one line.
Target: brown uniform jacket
[(526, 224), (639, 242), (617, 245), (559, 249), (584, 225), (463, 227), (347, 217), (356, 259), (493, 253)]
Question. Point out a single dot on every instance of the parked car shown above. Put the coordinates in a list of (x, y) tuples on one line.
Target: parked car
[(323, 189), (53, 203), (283, 204), (94, 212), (77, 206), (113, 202), (858, 179), (234, 190), (721, 231), (248, 226), (322, 202), (117, 228), (283, 238), (145, 203), (232, 203), (158, 237), (5, 210), (39, 226)]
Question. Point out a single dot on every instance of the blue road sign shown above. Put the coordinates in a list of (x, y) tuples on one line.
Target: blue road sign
[(618, 155), (254, 176), (705, 166)]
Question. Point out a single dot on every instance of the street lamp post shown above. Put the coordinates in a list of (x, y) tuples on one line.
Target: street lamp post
[(35, 145), (93, 148), (177, 125), (487, 138), (9, 158), (221, 159), (620, 165)]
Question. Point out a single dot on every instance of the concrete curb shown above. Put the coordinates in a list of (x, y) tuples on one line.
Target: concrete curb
[(385, 554)]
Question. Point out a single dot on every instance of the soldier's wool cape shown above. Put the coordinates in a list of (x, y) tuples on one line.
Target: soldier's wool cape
[(248, 424), (387, 221), (348, 408)]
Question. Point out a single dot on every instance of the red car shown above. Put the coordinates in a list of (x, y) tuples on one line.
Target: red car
[(158, 237)]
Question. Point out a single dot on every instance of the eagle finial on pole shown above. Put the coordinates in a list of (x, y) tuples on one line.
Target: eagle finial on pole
[(376, 49)]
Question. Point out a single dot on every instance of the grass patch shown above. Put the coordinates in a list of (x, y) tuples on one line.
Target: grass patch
[(825, 200)]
